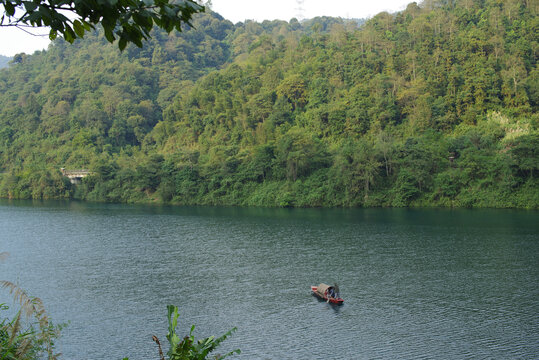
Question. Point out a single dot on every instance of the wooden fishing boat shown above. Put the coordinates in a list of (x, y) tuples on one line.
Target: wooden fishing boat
[(327, 293)]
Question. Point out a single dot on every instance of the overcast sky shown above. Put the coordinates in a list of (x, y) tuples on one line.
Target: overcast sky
[(13, 41)]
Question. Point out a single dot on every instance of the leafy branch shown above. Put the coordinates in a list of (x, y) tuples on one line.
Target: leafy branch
[(128, 20)]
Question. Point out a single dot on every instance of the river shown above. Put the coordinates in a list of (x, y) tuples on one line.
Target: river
[(417, 283)]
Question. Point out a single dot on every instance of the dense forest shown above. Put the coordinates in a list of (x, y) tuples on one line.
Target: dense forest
[(432, 106)]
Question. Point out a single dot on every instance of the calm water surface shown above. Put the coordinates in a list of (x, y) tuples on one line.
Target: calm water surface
[(448, 284)]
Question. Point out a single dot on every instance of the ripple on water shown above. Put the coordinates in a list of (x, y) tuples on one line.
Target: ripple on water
[(417, 283)]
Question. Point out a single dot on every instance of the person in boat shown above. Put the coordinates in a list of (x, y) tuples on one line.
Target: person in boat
[(336, 293), (331, 293)]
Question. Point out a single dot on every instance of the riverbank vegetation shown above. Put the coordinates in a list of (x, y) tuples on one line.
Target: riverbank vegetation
[(432, 106), (188, 348), (29, 333), (21, 339)]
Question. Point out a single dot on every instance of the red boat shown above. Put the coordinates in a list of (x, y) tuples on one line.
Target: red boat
[(327, 293)]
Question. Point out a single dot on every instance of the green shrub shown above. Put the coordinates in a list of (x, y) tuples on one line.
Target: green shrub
[(187, 348)]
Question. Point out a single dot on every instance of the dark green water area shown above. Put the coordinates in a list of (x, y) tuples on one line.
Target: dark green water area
[(417, 283)]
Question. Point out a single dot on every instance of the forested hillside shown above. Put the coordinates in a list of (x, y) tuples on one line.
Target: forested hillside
[(432, 106)]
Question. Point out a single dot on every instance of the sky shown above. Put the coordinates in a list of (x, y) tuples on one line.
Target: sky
[(14, 41)]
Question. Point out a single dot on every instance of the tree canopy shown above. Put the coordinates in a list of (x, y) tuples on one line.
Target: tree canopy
[(129, 21)]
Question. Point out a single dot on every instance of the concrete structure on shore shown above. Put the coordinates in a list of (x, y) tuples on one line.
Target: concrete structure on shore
[(75, 176)]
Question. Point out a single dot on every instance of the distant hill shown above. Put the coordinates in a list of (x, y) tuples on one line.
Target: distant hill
[(4, 60), (432, 106)]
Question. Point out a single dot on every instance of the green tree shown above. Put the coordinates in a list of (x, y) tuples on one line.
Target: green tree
[(299, 152), (128, 20), (525, 154), (359, 166)]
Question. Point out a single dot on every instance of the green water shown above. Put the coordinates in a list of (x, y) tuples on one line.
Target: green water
[(417, 283)]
